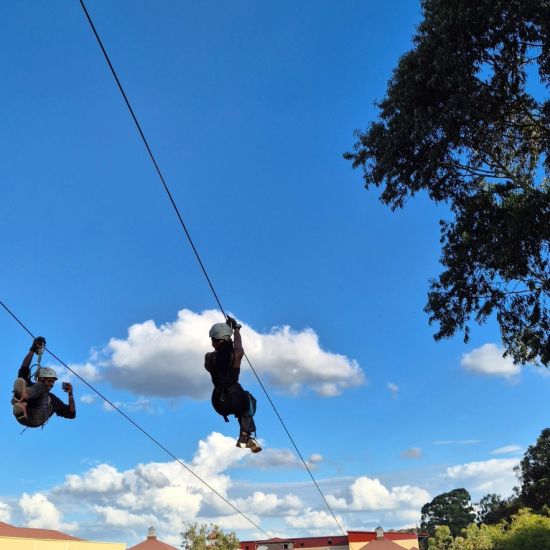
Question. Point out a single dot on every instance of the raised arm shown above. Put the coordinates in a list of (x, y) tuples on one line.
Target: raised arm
[(237, 342), (69, 390), (26, 364)]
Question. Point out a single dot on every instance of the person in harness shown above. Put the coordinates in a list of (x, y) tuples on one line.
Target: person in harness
[(33, 403), (228, 397)]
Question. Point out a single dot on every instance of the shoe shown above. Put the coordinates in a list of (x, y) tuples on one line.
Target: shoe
[(20, 389), (242, 441), (20, 411), (253, 445)]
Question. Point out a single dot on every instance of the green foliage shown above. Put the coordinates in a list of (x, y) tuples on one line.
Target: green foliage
[(441, 539), (449, 509), (492, 508), (534, 473), (474, 538), (207, 537), (460, 122), (527, 531)]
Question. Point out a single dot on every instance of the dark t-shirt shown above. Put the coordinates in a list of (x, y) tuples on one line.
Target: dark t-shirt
[(57, 406), (221, 379)]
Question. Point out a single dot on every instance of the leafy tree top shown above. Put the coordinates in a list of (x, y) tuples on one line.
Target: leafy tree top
[(207, 537), (460, 121), (452, 509), (534, 473)]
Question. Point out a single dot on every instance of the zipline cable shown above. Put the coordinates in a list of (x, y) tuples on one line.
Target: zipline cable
[(139, 427), (193, 246)]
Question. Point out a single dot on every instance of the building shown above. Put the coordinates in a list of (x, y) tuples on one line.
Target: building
[(152, 543), (27, 538), (355, 540), (378, 540), (307, 543)]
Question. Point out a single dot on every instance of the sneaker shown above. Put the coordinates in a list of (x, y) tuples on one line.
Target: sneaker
[(242, 441), (20, 411), (253, 445), (20, 389)]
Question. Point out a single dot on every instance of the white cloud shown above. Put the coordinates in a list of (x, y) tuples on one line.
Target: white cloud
[(316, 458), (5, 512), (393, 388), (312, 519), (117, 517), (412, 454), (490, 476), (507, 449), (164, 361), (40, 513), (270, 504), (101, 479), (88, 398), (88, 371), (279, 459), (369, 494), (489, 360)]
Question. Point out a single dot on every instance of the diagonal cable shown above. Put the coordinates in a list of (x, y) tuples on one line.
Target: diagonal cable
[(192, 244)]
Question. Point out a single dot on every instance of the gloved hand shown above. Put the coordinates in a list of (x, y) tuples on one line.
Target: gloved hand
[(38, 343), (232, 323)]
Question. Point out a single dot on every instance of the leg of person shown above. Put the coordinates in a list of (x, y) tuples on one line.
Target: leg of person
[(32, 407), (19, 391), (247, 408), (20, 413)]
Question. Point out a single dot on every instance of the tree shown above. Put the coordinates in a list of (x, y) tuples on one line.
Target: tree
[(533, 473), (460, 121), (451, 509), (492, 508), (527, 531), (207, 537), (441, 539), (474, 538)]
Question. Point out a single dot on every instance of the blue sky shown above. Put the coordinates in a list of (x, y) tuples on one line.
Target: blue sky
[(248, 107)]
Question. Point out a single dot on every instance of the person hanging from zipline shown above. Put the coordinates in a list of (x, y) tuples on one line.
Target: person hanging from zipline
[(33, 403), (228, 397)]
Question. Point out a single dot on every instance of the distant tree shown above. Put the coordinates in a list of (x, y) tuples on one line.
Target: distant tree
[(533, 473), (207, 537), (492, 508), (461, 121), (452, 509), (441, 539), (527, 531), (474, 538)]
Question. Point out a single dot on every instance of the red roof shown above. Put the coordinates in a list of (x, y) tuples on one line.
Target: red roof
[(7, 530), (152, 543), (304, 542), (367, 536)]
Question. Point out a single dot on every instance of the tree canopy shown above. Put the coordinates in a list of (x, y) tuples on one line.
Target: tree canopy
[(492, 508), (525, 531), (533, 473), (466, 118), (452, 509), (207, 537)]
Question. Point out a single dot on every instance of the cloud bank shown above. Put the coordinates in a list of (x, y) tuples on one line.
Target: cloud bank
[(490, 476), (167, 361)]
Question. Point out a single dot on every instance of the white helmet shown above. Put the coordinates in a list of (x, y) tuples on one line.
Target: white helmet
[(46, 372), (220, 331)]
